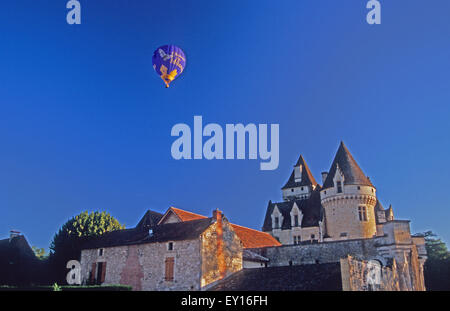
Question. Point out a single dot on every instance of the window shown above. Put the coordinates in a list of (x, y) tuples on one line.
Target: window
[(295, 239), (100, 252), (359, 188), (276, 223), (339, 186), (169, 268), (98, 276), (170, 246), (312, 236), (295, 220), (362, 213), (343, 234), (302, 188), (292, 190)]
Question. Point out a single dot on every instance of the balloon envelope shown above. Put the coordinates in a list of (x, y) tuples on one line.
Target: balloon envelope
[(169, 62)]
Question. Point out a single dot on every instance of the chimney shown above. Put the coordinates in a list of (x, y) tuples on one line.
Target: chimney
[(13, 234), (218, 215), (324, 177), (298, 173)]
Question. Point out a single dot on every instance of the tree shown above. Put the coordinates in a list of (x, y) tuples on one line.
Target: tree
[(437, 266), (39, 252), (68, 241)]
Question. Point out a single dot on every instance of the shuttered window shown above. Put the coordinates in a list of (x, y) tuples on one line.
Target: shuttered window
[(169, 268)]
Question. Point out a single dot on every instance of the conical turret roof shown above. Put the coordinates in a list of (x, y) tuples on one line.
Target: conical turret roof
[(353, 175), (307, 176)]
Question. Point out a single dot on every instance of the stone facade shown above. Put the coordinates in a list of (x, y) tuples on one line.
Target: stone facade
[(143, 266), (214, 254)]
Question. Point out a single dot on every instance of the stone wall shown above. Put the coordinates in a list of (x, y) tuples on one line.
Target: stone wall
[(320, 252), (216, 257), (143, 265), (361, 275)]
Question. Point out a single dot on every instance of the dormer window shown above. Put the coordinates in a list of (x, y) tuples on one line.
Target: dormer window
[(339, 186), (295, 220), (276, 223)]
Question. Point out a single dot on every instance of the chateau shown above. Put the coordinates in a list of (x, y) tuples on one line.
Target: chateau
[(334, 236)]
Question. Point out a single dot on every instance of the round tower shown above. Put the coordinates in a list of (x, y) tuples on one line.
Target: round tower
[(348, 198)]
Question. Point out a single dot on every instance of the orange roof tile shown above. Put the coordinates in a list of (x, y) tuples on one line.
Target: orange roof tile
[(186, 216), (250, 238)]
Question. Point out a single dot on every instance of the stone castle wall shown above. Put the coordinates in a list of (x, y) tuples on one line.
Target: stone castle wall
[(326, 252)]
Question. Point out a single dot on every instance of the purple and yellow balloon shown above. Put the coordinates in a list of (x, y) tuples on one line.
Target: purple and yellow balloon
[(169, 62)]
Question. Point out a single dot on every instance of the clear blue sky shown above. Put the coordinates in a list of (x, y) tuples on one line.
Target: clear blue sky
[(85, 121)]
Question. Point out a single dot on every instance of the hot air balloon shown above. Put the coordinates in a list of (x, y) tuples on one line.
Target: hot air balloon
[(169, 62)]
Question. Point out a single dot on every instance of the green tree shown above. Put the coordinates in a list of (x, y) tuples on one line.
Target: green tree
[(437, 266), (39, 252), (68, 241)]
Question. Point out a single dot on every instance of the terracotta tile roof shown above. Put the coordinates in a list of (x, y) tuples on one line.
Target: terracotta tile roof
[(253, 238), (185, 215), (250, 238)]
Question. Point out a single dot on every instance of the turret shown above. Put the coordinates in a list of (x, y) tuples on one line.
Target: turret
[(348, 198), (301, 182)]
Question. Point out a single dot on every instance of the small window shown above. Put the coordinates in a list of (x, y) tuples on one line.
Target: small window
[(292, 190), (277, 223), (359, 188), (100, 252), (362, 213), (339, 186), (325, 192), (295, 239), (313, 236), (302, 188), (170, 261), (170, 246), (295, 220), (343, 234)]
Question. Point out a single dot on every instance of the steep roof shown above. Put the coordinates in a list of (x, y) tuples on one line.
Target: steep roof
[(185, 215), (311, 209), (314, 277), (16, 247), (190, 226), (252, 238), (353, 175), (160, 233), (149, 220), (307, 177)]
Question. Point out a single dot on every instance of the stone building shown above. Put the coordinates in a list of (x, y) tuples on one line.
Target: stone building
[(324, 224), (175, 251), (335, 236)]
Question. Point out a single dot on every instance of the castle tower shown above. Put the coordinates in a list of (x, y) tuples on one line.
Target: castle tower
[(301, 183), (348, 198)]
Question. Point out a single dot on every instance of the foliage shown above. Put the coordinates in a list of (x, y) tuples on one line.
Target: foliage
[(68, 241), (40, 253), (56, 288), (437, 266)]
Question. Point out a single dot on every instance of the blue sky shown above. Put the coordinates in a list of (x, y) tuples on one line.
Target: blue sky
[(85, 121)]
